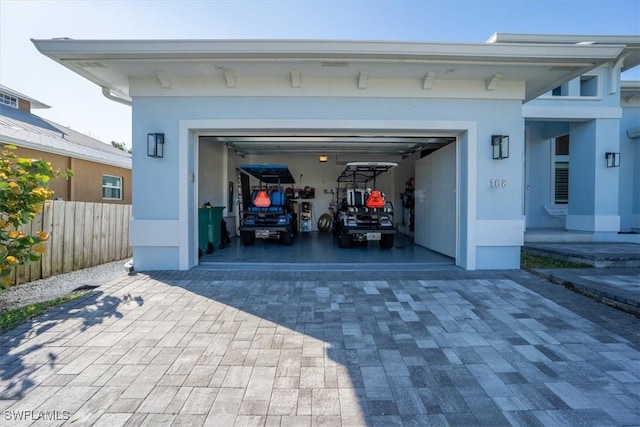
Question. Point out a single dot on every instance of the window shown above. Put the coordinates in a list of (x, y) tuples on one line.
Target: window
[(561, 170), (586, 86), (562, 90), (9, 100), (111, 187), (589, 86)]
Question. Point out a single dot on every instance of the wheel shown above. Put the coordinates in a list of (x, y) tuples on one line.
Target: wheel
[(209, 248), (248, 238), (344, 240), (324, 223), (287, 238), (386, 241)]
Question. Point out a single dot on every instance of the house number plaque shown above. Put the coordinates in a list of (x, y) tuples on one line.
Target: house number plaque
[(498, 183)]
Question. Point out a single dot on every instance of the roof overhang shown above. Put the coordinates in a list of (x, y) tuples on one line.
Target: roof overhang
[(112, 63), (630, 52), (165, 67)]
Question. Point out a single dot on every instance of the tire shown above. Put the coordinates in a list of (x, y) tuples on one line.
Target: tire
[(287, 238), (209, 248), (248, 238), (344, 240), (386, 241), (324, 222)]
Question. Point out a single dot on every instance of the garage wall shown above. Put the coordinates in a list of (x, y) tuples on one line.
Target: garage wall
[(211, 172), (309, 172), (435, 201)]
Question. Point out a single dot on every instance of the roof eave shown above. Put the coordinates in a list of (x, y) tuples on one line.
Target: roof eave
[(65, 50), (34, 146)]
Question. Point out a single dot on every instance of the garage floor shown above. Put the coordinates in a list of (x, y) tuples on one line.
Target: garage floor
[(314, 250)]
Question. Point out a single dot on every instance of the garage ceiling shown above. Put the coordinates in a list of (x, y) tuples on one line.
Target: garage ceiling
[(403, 146)]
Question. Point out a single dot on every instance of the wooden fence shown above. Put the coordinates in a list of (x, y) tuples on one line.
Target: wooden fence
[(83, 235)]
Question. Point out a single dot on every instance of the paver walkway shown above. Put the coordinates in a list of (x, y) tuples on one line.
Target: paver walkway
[(285, 348)]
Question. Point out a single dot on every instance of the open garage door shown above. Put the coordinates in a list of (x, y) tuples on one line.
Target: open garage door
[(301, 154), (435, 201)]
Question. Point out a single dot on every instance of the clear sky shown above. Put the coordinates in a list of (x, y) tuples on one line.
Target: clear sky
[(79, 104)]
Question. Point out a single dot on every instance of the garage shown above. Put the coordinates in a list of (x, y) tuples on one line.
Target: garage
[(315, 162), (450, 115)]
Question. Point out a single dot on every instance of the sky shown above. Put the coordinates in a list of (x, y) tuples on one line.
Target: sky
[(79, 104)]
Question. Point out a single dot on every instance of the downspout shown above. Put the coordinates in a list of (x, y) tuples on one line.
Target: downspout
[(615, 71), (107, 93)]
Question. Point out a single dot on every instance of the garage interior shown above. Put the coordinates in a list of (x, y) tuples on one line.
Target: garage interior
[(316, 161)]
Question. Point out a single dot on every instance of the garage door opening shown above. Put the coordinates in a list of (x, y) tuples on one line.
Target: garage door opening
[(315, 162)]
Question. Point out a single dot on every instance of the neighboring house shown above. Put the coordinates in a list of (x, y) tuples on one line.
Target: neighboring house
[(522, 132), (101, 172)]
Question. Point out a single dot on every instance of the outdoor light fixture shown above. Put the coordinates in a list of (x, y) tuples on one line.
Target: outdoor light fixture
[(322, 158), (155, 145), (500, 145), (613, 159)]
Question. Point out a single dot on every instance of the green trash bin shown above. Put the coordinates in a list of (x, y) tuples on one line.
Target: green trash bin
[(205, 241), (209, 228), (216, 221)]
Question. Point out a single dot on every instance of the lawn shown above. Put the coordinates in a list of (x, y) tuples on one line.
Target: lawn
[(12, 318)]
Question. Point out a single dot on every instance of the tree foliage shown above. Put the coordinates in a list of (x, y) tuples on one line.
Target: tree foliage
[(121, 146), (23, 191)]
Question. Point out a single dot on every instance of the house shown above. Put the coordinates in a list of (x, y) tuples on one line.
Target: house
[(521, 133), (101, 172)]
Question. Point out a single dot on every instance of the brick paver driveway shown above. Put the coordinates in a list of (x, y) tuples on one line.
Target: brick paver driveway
[(285, 348)]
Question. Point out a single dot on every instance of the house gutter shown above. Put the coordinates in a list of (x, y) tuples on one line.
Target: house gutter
[(107, 93)]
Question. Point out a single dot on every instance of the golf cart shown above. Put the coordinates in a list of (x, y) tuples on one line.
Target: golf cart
[(364, 214), (267, 214)]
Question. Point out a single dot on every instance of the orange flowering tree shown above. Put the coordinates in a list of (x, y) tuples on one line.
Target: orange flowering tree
[(23, 191)]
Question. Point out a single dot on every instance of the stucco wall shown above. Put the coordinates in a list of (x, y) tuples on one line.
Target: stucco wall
[(157, 183), (630, 168)]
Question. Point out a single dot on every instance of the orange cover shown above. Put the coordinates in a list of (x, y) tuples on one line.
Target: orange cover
[(375, 200), (262, 200)]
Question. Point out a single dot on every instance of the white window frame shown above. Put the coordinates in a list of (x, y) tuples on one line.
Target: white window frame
[(120, 179), (9, 100)]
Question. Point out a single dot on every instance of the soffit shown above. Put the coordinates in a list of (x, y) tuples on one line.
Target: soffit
[(112, 63)]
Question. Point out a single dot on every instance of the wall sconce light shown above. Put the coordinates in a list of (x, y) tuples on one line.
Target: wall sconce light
[(155, 145), (613, 159), (322, 158), (500, 145)]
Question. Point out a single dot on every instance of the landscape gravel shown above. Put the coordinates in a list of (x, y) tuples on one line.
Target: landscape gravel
[(60, 285)]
